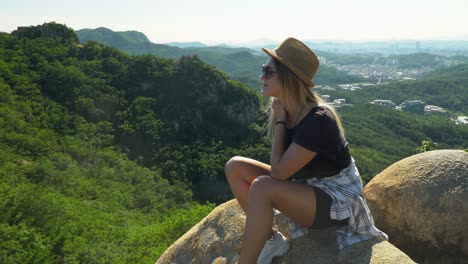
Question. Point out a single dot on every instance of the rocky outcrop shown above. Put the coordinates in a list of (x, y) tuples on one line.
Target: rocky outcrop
[(217, 239), (421, 202)]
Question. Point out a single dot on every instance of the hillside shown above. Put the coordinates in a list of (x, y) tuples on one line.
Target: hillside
[(380, 136), (447, 88), (107, 36), (70, 118)]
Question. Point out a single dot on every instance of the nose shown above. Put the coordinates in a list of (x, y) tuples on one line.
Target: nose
[(262, 77)]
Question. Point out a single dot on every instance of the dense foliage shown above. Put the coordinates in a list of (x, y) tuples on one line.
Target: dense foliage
[(69, 196), (70, 115), (416, 60), (109, 158), (47, 30), (380, 136)]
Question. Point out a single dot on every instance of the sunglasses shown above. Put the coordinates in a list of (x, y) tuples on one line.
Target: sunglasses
[(266, 71)]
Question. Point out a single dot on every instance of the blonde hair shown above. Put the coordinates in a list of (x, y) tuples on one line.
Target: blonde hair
[(295, 91)]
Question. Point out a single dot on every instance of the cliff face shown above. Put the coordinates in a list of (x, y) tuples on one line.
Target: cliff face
[(193, 99), (218, 239), (421, 202)]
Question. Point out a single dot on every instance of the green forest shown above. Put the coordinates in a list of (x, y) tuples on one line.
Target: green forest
[(109, 157)]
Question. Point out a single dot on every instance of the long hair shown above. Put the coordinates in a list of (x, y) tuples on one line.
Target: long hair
[(295, 91)]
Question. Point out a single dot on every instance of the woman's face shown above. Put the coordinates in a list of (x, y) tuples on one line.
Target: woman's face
[(270, 80)]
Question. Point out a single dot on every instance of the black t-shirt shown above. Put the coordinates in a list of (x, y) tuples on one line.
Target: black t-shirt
[(319, 132)]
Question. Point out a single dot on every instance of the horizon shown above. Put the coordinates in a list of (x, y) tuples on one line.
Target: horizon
[(213, 22), (270, 41)]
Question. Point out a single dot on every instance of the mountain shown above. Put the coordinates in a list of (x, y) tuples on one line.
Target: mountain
[(242, 64), (195, 44), (124, 41), (255, 44), (222, 57), (107, 36)]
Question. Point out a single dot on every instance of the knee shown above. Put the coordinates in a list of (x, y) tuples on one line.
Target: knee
[(232, 165), (261, 185)]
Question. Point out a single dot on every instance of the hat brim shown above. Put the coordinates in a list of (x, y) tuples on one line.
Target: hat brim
[(301, 76)]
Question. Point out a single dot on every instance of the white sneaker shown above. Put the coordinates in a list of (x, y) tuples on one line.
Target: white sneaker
[(274, 247)]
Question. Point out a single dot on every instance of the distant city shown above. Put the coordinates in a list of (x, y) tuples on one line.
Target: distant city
[(388, 71), (412, 106), (384, 73), (438, 47)]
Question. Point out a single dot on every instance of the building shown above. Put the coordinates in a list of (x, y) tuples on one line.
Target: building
[(392, 62), (432, 109), (351, 87), (322, 60), (326, 87), (387, 103), (413, 106), (340, 104), (462, 120), (367, 85)]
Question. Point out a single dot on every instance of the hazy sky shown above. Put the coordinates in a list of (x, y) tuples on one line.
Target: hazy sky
[(213, 21)]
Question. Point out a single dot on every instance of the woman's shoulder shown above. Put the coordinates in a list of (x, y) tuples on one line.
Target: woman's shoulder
[(321, 111), (318, 115)]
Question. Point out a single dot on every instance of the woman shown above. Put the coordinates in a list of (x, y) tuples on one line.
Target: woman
[(311, 178)]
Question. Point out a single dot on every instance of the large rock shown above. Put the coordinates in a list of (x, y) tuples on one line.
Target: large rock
[(217, 239), (421, 202)]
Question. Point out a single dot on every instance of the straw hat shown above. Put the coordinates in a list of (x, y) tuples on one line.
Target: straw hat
[(297, 57)]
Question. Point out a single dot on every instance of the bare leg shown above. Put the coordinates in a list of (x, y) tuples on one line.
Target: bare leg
[(240, 172), (297, 201)]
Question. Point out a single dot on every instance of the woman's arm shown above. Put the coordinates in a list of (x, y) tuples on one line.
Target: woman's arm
[(277, 146), (285, 163)]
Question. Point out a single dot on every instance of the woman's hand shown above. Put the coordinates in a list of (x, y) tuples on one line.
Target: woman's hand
[(279, 110)]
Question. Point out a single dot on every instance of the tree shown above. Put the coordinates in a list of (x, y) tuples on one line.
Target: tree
[(47, 30)]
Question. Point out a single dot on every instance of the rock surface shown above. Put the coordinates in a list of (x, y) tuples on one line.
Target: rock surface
[(217, 239), (421, 202)]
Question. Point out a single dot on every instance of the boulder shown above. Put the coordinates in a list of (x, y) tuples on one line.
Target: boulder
[(217, 239), (421, 202)]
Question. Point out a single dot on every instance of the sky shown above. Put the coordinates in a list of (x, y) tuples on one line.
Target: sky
[(232, 21)]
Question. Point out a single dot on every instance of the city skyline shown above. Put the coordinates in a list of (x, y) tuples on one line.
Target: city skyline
[(216, 21)]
